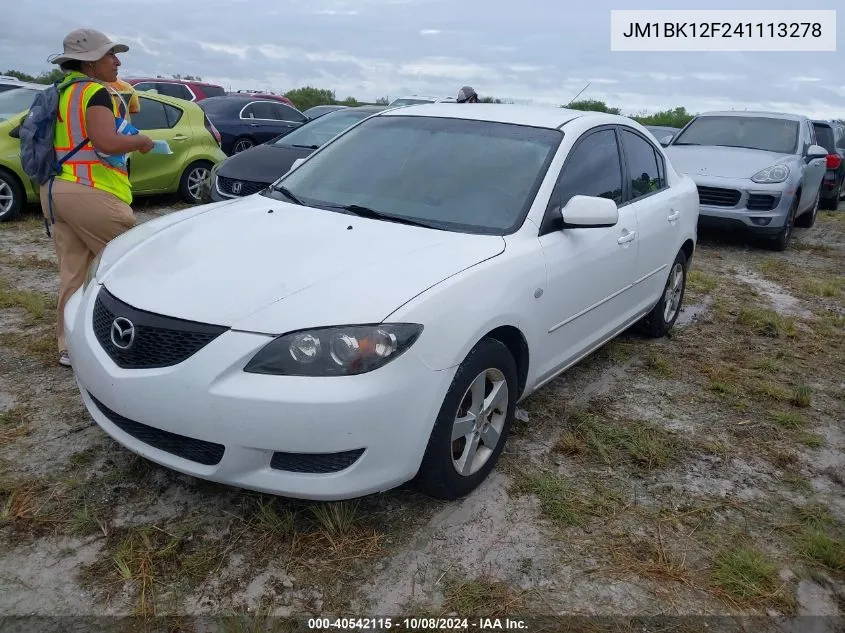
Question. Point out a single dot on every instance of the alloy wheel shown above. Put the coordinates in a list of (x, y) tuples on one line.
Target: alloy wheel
[(672, 295), (479, 422)]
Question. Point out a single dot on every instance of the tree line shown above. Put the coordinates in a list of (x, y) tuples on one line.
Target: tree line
[(309, 96)]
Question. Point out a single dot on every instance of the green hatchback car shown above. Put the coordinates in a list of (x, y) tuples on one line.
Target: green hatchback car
[(192, 138)]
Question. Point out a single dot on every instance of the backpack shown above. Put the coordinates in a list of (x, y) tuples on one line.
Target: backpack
[(37, 137)]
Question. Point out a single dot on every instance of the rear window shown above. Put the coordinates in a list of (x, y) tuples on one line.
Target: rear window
[(213, 91), (824, 136)]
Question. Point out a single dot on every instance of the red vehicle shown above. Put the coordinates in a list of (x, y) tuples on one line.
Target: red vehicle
[(180, 88), (264, 95)]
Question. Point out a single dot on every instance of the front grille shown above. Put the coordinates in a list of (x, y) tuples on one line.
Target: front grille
[(248, 187), (199, 451), (315, 462), (761, 202), (159, 341), (718, 197)]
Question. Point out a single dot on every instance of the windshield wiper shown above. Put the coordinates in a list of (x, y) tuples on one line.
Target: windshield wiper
[(287, 194), (306, 146), (367, 212)]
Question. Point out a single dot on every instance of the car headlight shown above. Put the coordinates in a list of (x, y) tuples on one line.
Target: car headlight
[(91, 274), (775, 173), (334, 351)]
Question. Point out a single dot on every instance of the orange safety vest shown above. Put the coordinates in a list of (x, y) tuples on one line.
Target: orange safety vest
[(85, 166)]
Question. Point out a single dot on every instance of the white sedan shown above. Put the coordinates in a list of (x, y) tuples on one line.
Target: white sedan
[(375, 316)]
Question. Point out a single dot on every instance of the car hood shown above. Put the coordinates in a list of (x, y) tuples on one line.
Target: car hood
[(246, 267), (263, 163), (727, 162)]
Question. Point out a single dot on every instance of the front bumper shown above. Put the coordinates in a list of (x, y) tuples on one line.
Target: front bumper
[(739, 203), (312, 438)]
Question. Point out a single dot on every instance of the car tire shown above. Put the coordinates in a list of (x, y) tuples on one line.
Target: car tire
[(190, 185), (491, 365), (807, 219), (781, 241), (242, 144), (11, 196), (661, 319)]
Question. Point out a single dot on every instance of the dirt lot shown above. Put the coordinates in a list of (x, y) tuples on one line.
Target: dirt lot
[(699, 474)]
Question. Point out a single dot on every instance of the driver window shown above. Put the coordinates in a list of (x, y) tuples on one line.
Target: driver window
[(593, 168)]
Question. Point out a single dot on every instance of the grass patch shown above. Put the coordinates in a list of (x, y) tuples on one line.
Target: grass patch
[(565, 505), (659, 364), (776, 268), (15, 423), (481, 597), (745, 573), (701, 282), (789, 419), (765, 322), (811, 440), (817, 288), (641, 443), (37, 305), (27, 262), (824, 549), (803, 396)]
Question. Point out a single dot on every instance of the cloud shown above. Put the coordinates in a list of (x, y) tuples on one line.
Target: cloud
[(532, 52)]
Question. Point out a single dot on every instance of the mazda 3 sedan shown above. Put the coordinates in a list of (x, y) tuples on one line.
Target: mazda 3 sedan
[(375, 316)]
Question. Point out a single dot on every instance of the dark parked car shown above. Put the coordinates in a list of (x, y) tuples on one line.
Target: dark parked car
[(247, 121), (831, 136), (317, 111), (253, 170), (186, 89)]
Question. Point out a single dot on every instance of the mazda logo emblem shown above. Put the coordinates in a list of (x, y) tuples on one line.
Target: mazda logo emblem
[(122, 333), (236, 187)]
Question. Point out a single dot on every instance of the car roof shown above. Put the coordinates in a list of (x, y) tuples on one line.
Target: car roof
[(26, 84), (174, 101), (532, 115), (171, 80), (823, 122), (755, 113)]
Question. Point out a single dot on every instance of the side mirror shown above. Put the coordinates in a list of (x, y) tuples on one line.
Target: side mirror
[(589, 212), (666, 140), (297, 163), (15, 132), (816, 151)]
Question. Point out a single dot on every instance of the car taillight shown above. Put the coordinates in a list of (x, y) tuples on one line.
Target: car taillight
[(210, 127), (833, 161)]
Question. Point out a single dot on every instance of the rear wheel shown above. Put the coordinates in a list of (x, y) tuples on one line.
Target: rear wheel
[(473, 424), (242, 144), (190, 186), (663, 315), (11, 196)]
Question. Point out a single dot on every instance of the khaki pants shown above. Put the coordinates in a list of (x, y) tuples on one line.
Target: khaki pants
[(86, 220)]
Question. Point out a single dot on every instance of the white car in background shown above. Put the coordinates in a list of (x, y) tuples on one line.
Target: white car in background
[(352, 328), (419, 100)]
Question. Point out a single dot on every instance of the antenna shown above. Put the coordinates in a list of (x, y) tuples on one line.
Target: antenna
[(579, 94)]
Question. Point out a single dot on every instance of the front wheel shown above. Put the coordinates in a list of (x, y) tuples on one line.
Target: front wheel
[(663, 315), (190, 186), (11, 197), (781, 241), (473, 424)]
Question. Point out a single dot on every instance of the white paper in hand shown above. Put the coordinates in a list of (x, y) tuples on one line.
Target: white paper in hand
[(161, 147)]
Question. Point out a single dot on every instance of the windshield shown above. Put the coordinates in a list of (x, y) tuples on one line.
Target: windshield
[(317, 132), (763, 133), (403, 102), (824, 136), (462, 175), (15, 101)]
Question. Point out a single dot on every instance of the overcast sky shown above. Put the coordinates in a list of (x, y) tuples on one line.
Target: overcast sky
[(539, 50)]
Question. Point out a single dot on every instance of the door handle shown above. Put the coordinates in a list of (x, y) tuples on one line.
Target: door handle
[(179, 137), (628, 237), (253, 125), (674, 216)]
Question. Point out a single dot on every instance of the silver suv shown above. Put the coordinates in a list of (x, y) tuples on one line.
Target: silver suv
[(759, 172)]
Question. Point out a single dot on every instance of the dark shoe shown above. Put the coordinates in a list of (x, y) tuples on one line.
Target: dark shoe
[(64, 359)]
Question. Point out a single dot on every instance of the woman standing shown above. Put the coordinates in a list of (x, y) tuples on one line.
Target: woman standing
[(91, 195)]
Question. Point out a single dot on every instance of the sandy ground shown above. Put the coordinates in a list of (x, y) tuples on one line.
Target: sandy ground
[(637, 476)]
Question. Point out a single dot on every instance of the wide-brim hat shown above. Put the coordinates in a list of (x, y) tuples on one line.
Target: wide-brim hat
[(87, 45)]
